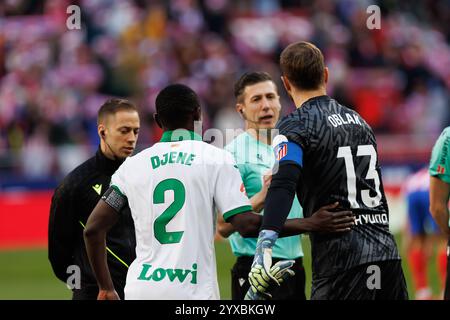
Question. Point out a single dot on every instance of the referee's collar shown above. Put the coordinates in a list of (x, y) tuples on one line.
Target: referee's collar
[(180, 135), (105, 164)]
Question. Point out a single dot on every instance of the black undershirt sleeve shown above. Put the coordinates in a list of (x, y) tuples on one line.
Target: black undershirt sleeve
[(280, 196)]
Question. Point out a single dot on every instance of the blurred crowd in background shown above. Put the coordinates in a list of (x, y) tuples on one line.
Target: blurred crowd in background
[(53, 80)]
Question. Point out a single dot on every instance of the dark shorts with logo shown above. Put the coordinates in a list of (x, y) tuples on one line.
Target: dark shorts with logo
[(383, 280), (292, 289)]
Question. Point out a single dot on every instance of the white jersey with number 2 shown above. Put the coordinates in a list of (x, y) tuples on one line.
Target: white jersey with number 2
[(173, 190)]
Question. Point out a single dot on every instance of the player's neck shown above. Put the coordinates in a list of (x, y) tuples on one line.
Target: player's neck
[(300, 97), (263, 135), (106, 152), (186, 127)]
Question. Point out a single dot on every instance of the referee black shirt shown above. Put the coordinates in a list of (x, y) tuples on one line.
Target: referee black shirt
[(72, 203)]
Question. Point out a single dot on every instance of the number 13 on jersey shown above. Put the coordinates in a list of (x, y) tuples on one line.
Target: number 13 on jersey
[(372, 174)]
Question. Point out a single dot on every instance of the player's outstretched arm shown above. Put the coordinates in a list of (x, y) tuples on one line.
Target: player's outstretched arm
[(225, 229), (324, 220), (439, 195), (247, 224), (102, 218)]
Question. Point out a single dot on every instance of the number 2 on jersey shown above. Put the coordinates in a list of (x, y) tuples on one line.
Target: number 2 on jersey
[(179, 197), (363, 150)]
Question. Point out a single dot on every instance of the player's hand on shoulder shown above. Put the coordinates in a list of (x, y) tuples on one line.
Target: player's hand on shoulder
[(328, 220), (108, 295)]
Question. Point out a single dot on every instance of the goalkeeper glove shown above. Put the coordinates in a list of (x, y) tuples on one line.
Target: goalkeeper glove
[(261, 285), (259, 276), (281, 270)]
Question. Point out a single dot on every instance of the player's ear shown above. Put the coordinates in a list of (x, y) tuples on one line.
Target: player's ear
[(158, 122), (325, 73), (286, 85), (240, 108), (101, 131), (197, 114)]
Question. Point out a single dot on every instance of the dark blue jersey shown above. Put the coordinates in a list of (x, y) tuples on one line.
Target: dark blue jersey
[(340, 163)]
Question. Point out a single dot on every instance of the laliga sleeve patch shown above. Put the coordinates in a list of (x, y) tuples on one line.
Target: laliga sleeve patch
[(287, 151)]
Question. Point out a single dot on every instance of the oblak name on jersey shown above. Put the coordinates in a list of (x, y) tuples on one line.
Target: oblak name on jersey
[(337, 119)]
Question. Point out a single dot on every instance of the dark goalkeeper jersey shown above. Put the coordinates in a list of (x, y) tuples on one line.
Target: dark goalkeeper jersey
[(340, 163)]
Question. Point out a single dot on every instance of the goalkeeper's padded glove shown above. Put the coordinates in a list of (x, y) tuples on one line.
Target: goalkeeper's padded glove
[(282, 270), (259, 276), (261, 285)]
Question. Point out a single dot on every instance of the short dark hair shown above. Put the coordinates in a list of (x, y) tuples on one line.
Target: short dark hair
[(303, 64), (175, 105), (248, 79), (112, 106)]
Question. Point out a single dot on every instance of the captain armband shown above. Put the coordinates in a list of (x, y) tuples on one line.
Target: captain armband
[(287, 151), (114, 199)]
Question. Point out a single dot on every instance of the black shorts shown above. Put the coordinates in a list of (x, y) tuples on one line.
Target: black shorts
[(447, 282), (382, 280), (292, 289)]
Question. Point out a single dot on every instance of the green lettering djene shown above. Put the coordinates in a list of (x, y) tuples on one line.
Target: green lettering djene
[(172, 157), (155, 162), (190, 159), (164, 161), (181, 157)]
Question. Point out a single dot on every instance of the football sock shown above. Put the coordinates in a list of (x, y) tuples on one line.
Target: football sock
[(418, 268), (442, 265)]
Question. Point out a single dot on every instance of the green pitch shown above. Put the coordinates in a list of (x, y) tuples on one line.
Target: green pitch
[(27, 274)]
